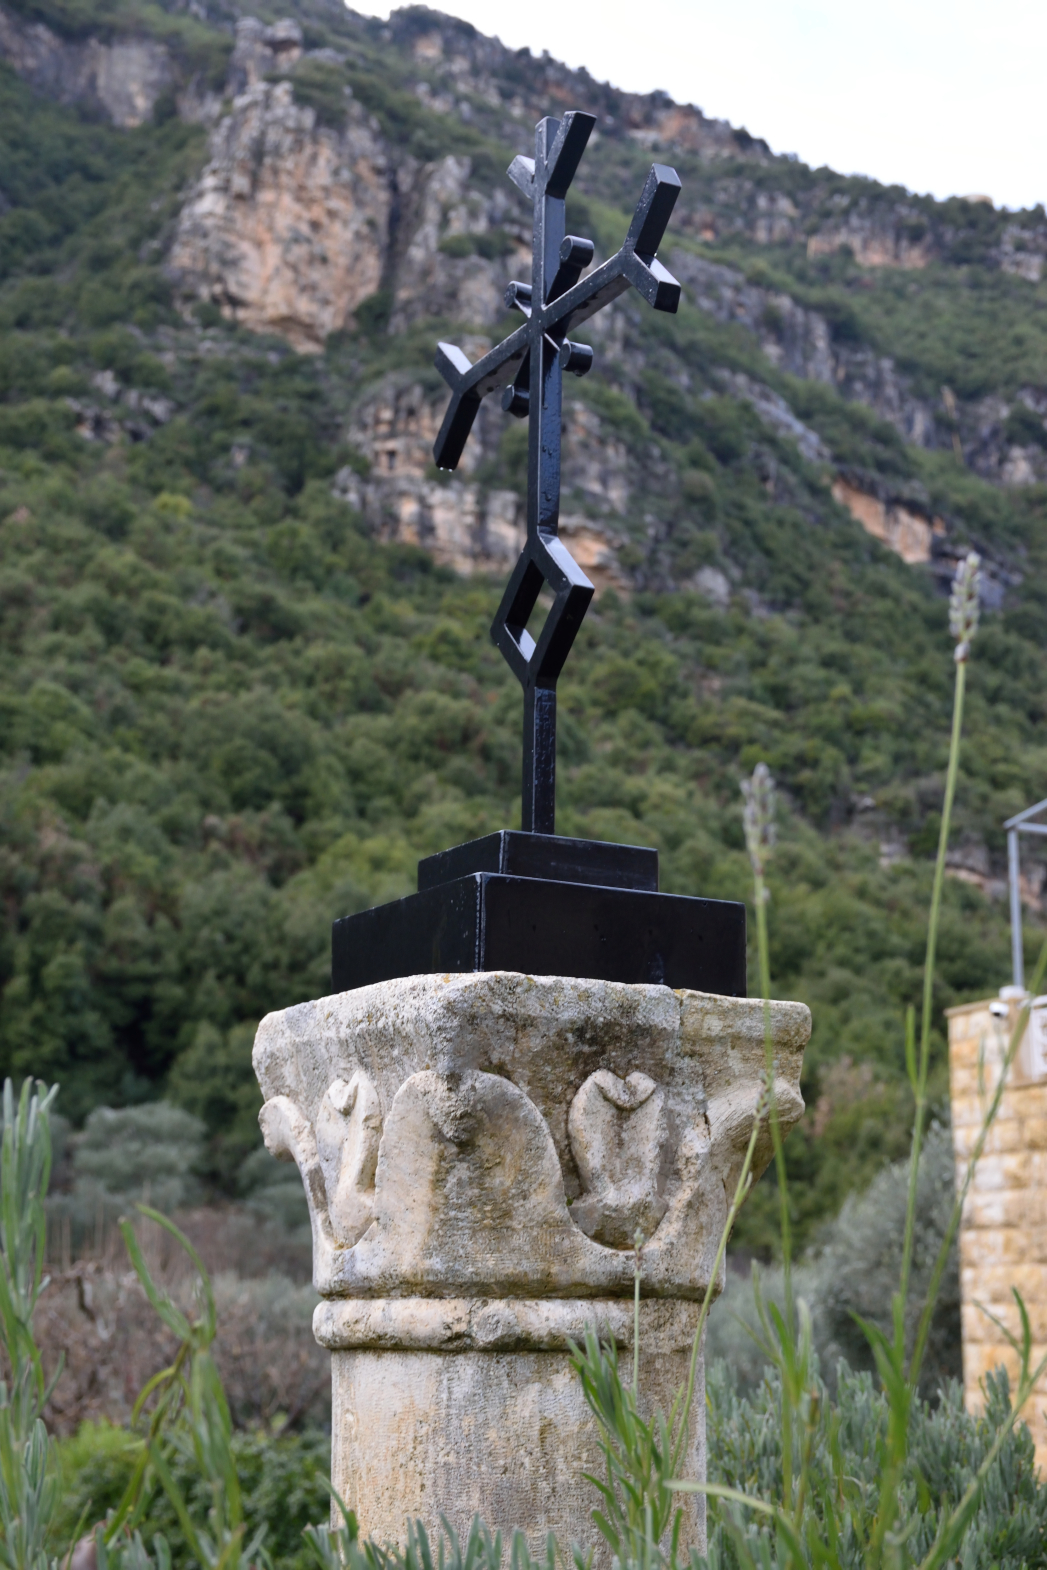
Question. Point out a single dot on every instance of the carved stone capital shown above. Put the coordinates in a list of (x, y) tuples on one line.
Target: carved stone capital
[(498, 1136)]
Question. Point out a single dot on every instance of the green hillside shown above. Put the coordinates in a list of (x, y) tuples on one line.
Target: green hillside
[(229, 713)]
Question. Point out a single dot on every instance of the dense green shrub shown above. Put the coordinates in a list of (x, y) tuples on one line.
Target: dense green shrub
[(947, 1447), (283, 1479), (852, 1269), (147, 1152), (321, 85), (228, 714)]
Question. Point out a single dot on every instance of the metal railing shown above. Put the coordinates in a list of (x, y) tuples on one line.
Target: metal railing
[(1021, 823)]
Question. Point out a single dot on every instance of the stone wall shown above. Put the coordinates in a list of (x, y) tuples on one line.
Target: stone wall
[(1003, 1235)]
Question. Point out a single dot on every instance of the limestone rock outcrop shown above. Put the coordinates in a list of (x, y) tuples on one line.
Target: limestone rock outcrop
[(464, 525), (1022, 251), (907, 529), (893, 239), (286, 228), (461, 519), (293, 224), (261, 51), (466, 59), (801, 341), (449, 224), (122, 79)]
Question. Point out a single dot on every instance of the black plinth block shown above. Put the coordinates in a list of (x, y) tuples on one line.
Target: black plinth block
[(545, 856), (547, 906)]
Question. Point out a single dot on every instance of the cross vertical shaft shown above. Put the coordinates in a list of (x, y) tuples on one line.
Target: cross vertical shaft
[(538, 810), (543, 488), (545, 414), (530, 365)]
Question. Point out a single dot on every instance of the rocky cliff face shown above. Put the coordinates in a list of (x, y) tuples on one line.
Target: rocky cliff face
[(463, 65), (293, 223), (908, 529), (464, 525), (320, 198), (287, 228), (469, 78), (434, 232), (803, 343), (121, 80), (464, 521), (447, 225)]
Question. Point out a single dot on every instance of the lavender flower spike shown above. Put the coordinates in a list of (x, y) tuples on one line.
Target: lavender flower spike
[(758, 817), (963, 604)]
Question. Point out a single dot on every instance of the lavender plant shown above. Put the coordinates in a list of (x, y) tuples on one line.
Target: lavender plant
[(341, 1548), (28, 1482), (818, 1515), (189, 1415)]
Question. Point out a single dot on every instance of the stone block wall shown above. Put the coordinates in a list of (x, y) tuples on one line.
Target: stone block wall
[(1003, 1234)]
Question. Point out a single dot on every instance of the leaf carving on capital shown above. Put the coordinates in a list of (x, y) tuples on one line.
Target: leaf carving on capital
[(348, 1133), (620, 1142)]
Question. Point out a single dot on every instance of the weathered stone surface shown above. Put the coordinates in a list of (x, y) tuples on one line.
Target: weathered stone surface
[(505, 1434), (1022, 251), (1002, 1232), (262, 50), (286, 229), (478, 1152), (475, 1076), (877, 239), (122, 79), (903, 529), (800, 340), (443, 1324), (443, 209), (466, 525), (776, 414), (620, 1143)]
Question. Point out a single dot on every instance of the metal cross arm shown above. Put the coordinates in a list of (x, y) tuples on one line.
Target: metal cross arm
[(1021, 823), (530, 364), (634, 266)]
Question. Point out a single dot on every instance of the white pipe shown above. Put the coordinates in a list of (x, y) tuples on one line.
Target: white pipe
[(1013, 877)]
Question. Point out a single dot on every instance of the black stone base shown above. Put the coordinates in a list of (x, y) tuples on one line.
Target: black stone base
[(547, 906), (545, 856)]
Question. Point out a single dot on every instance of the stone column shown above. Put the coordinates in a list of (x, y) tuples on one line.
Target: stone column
[(1003, 1232), (478, 1152)]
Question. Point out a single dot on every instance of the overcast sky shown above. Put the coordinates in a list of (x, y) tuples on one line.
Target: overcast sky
[(945, 96)]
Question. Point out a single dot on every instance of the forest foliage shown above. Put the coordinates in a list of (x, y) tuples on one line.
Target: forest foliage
[(228, 714)]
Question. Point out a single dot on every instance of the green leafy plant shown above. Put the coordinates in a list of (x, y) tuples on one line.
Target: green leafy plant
[(341, 1548), (28, 1483), (814, 1513), (947, 1446), (852, 1269), (189, 1414), (831, 1524)]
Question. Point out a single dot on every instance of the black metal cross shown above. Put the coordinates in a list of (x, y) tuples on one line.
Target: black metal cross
[(533, 359)]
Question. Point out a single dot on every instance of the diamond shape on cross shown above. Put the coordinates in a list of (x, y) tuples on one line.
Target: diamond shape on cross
[(529, 366)]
